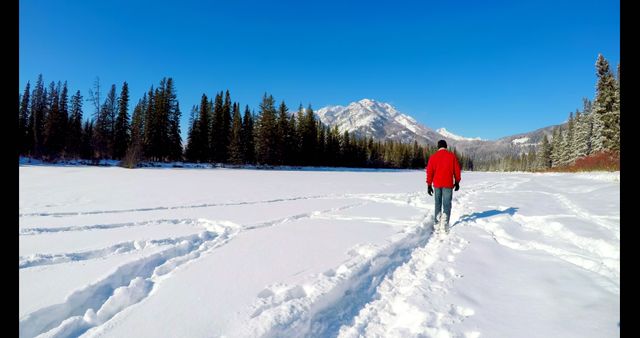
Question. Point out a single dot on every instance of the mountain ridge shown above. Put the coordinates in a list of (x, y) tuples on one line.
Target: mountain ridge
[(382, 121)]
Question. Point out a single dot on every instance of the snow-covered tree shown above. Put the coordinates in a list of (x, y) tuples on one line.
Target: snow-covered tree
[(606, 108), (584, 131), (544, 154), (564, 150), (569, 141), (556, 148)]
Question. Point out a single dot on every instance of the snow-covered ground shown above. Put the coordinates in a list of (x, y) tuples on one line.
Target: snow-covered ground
[(113, 252)]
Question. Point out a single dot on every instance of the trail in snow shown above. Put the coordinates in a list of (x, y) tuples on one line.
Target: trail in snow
[(335, 298), (203, 205), (127, 285), (411, 301), (78, 313)]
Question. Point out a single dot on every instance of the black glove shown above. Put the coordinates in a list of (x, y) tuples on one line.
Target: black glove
[(456, 186), (430, 190)]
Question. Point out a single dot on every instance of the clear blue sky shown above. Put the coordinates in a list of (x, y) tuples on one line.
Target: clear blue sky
[(479, 68)]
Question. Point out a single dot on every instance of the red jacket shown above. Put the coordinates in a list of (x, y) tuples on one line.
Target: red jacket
[(441, 169)]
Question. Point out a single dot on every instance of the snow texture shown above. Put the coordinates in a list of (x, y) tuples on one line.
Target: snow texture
[(112, 252), (520, 140), (451, 135)]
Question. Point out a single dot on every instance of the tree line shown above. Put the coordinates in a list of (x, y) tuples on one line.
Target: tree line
[(52, 128), (592, 131)]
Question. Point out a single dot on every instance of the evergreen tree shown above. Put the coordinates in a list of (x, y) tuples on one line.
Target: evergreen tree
[(74, 136), (309, 137), (333, 147), (50, 116), (192, 136), (345, 150), (225, 136), (321, 145), (175, 139), (569, 141), (248, 137), (532, 159), (236, 155), (578, 136), (64, 103), (172, 123), (606, 109), (161, 147), (135, 151), (376, 154), (598, 135), (111, 104), (35, 129), (293, 142), (23, 122), (202, 145), (405, 156), (284, 135), (556, 148), (615, 115), (55, 124), (157, 147), (563, 157), (122, 133), (217, 130), (63, 119), (104, 126), (86, 147), (148, 124), (417, 160), (584, 131), (266, 131)]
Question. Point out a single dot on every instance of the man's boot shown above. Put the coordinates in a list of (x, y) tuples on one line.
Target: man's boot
[(444, 223)]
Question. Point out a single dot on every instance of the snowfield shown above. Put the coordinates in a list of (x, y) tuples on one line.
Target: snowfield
[(112, 252)]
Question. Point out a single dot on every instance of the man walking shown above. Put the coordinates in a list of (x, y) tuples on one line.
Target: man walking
[(442, 169)]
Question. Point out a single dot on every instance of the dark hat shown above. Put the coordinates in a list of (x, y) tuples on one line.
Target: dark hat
[(442, 144)]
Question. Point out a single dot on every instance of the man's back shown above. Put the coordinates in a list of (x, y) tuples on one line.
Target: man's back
[(441, 169)]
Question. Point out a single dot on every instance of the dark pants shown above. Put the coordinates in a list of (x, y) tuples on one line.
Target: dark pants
[(443, 200)]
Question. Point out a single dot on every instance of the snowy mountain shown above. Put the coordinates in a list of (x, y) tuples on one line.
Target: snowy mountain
[(377, 119), (532, 138), (382, 121), (450, 135)]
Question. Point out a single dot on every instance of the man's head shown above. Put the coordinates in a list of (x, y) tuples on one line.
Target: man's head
[(442, 144)]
